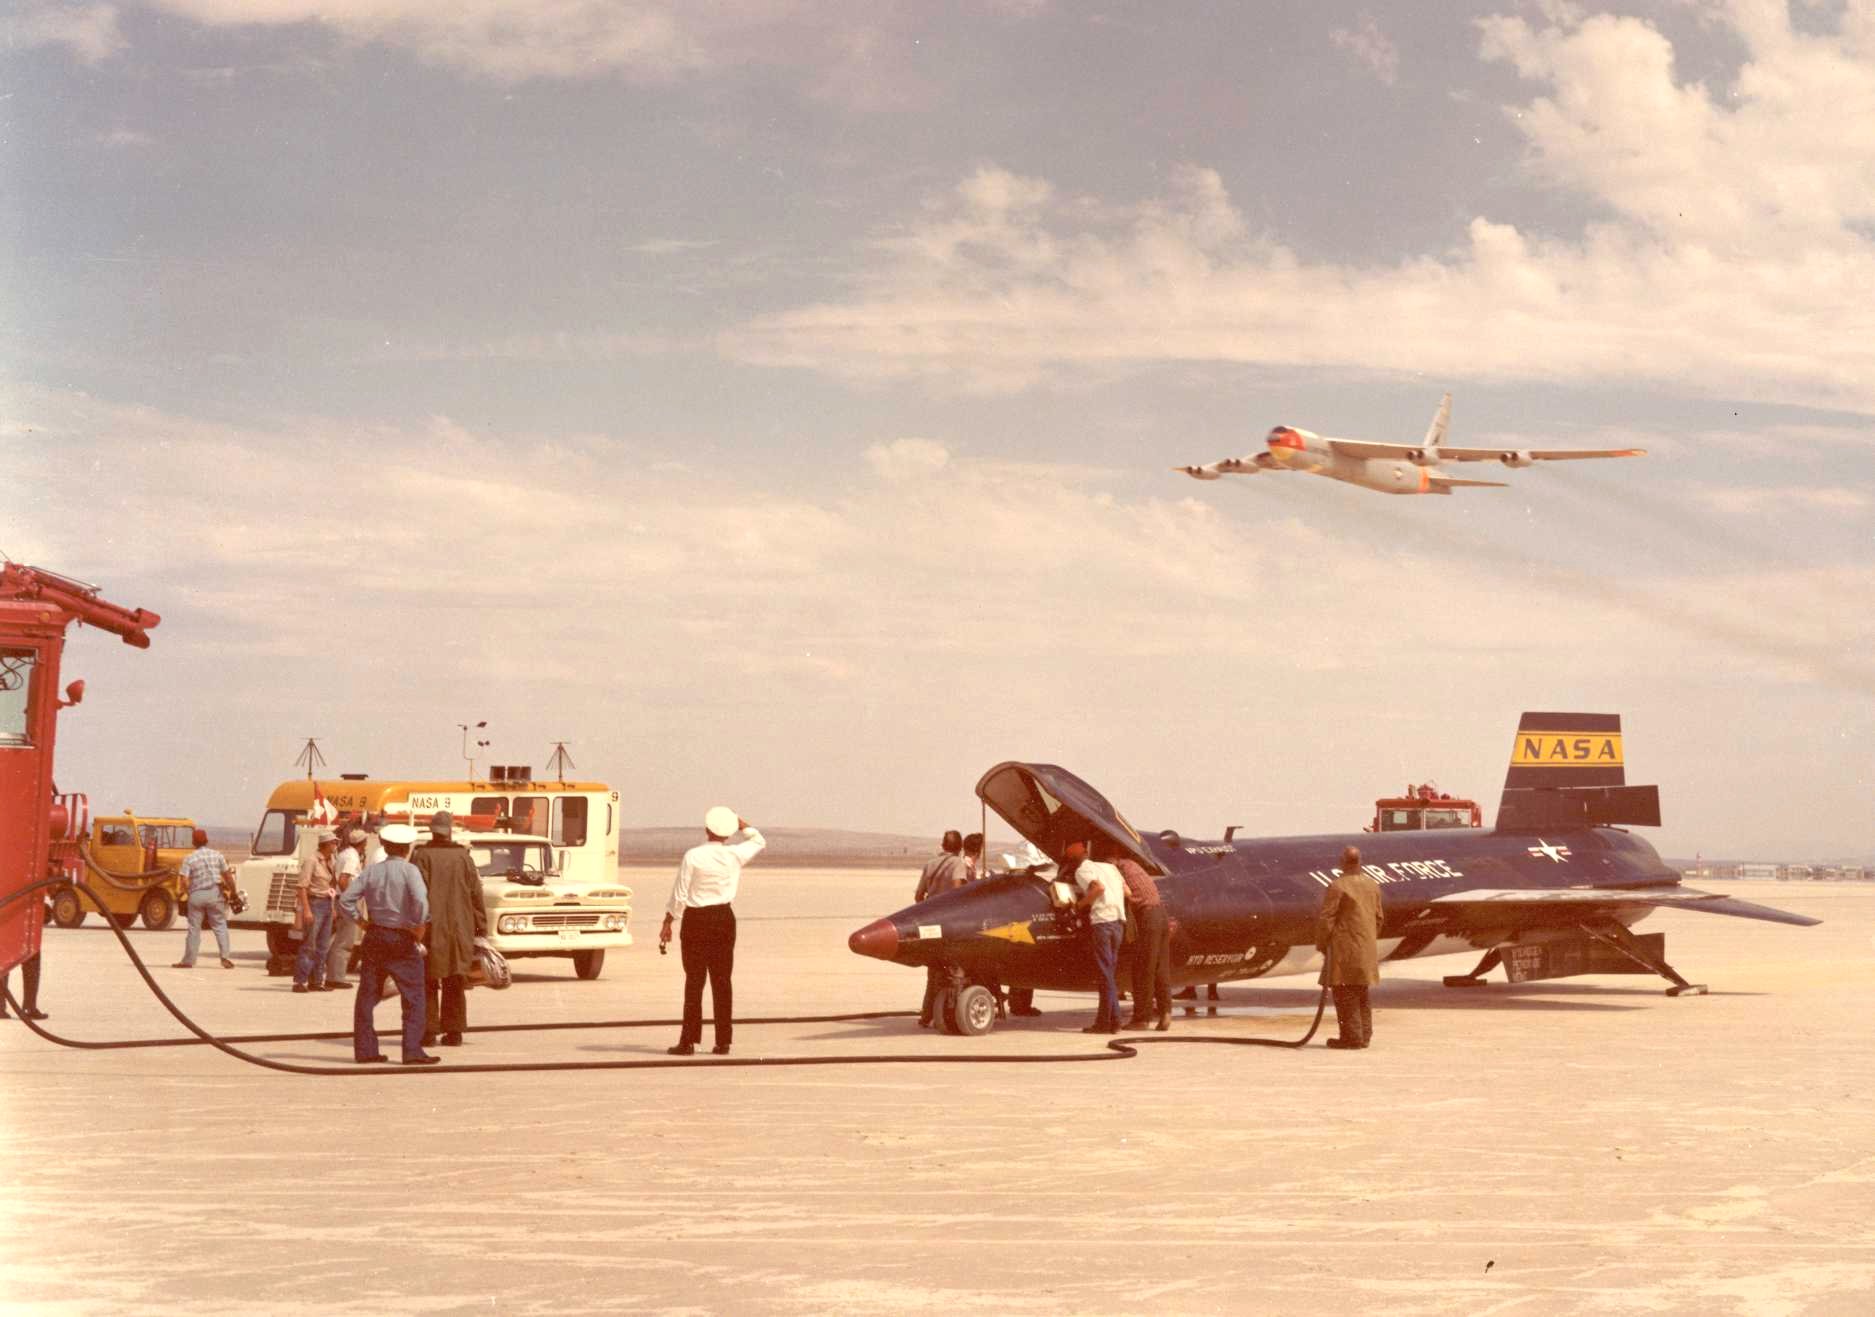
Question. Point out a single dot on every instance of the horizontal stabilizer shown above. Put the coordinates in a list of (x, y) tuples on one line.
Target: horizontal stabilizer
[(1573, 902), (1560, 809)]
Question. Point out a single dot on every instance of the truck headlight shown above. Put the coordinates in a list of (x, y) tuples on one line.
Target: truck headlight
[(510, 924), (614, 923)]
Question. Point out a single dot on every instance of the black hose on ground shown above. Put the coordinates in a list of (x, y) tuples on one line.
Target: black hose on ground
[(1115, 1049)]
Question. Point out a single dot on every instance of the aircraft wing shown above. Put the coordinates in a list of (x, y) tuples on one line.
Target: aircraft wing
[(1534, 454), (1573, 902), (1231, 466)]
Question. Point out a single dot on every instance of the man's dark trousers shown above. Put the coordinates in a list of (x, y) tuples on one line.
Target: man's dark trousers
[(390, 951), (446, 1005), (707, 939), (1354, 1014), (1152, 963)]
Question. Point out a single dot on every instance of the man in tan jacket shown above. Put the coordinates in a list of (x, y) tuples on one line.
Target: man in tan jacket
[(1351, 938)]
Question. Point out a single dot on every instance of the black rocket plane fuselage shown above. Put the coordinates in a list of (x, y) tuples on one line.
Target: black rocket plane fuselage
[(1556, 866)]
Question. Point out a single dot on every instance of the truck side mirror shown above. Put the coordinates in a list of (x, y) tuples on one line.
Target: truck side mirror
[(74, 694)]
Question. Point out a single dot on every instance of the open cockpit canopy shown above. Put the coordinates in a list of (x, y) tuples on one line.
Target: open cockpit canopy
[(1052, 807)]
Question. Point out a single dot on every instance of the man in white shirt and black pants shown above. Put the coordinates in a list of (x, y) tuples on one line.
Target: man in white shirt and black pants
[(707, 880)]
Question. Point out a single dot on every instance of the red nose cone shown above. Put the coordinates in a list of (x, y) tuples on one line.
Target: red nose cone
[(877, 939)]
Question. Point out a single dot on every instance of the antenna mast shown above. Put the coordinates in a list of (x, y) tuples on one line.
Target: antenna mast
[(309, 755), (560, 761)]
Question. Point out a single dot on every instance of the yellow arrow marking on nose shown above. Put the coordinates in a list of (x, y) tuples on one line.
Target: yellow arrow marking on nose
[(1012, 933)]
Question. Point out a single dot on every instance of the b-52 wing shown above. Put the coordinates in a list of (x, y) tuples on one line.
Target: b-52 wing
[(1231, 466), (1365, 450)]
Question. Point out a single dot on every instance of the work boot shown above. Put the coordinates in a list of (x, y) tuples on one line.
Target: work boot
[(1165, 1023), (682, 1049), (1344, 1044), (1139, 1023), (226, 963), (452, 1039)]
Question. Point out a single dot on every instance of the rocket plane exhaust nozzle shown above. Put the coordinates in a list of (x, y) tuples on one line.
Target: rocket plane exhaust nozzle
[(879, 939)]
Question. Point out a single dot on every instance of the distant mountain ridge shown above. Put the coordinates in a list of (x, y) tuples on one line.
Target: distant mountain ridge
[(833, 846)]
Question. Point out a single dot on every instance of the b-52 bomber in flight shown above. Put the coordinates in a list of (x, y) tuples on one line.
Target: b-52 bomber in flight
[(1550, 891), (1389, 468)]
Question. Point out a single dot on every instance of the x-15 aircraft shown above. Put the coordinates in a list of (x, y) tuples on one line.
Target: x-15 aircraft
[(1389, 468), (1549, 892)]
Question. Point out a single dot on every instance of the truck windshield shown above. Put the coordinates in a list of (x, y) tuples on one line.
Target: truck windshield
[(499, 859)]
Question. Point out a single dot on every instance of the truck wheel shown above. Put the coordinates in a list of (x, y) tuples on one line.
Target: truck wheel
[(67, 910), (975, 1010), (587, 964), (282, 950), (124, 919), (159, 909)]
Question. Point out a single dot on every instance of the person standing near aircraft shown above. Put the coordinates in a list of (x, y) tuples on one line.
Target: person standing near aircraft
[(974, 868), (1350, 937), (458, 917), (707, 881), (1152, 947), (1103, 900), (944, 872)]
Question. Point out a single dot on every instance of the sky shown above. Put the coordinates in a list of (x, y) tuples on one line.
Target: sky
[(776, 401)]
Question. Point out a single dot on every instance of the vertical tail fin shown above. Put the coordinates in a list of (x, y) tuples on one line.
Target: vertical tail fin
[(1435, 433), (1568, 770)]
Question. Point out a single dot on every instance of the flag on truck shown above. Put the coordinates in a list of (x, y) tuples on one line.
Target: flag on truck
[(321, 811)]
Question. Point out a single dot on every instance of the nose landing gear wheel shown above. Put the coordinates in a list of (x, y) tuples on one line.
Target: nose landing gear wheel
[(975, 1010)]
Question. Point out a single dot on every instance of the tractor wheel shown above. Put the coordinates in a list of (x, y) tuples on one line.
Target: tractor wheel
[(975, 1010), (124, 919), (67, 910), (587, 964), (159, 909)]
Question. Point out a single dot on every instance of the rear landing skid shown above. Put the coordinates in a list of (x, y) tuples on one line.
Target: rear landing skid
[(1609, 933)]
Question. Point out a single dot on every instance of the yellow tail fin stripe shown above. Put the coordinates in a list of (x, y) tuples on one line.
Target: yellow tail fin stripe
[(1566, 749)]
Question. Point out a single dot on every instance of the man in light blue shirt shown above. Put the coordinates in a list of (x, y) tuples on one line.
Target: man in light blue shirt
[(397, 908)]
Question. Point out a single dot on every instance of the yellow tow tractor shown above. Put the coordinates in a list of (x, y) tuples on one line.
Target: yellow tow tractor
[(132, 866)]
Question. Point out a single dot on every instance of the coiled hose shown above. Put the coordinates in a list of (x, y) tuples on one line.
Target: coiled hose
[(1114, 1050)]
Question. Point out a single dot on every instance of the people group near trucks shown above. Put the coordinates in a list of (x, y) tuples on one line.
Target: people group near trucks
[(395, 913), (317, 892)]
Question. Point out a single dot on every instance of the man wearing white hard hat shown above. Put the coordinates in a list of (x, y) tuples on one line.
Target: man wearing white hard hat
[(707, 880), (396, 914)]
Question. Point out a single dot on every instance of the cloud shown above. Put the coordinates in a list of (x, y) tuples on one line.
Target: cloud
[(907, 459), (1769, 499), (89, 31), (1732, 257), (1371, 47), (864, 59)]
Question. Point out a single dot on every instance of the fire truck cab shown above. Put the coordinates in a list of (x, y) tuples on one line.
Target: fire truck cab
[(1424, 807)]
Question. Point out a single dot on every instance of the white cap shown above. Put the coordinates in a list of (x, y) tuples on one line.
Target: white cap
[(397, 834), (722, 820)]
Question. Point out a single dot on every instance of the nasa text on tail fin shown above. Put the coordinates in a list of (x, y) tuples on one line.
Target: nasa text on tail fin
[(1569, 770)]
